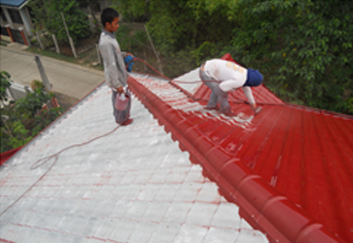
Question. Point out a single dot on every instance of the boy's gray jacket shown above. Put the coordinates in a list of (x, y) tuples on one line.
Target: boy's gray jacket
[(113, 60)]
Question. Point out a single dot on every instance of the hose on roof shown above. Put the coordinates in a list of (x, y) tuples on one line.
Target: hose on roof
[(55, 156)]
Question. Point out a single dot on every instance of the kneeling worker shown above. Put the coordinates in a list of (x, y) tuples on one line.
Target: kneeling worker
[(222, 76)]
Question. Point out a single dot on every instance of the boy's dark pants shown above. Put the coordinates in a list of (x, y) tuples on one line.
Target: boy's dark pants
[(121, 116)]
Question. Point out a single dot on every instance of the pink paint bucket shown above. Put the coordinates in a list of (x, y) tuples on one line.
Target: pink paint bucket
[(121, 101)]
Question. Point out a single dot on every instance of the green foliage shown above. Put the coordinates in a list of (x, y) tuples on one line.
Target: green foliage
[(20, 135), (303, 48), (21, 121), (5, 83), (206, 50), (180, 59), (123, 37), (133, 10), (175, 25), (32, 102), (92, 5), (178, 25), (131, 40), (48, 14), (39, 14)]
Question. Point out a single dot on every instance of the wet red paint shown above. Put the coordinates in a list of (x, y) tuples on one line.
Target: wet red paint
[(8, 154), (289, 170)]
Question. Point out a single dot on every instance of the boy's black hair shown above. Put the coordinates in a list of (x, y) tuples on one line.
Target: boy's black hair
[(108, 15)]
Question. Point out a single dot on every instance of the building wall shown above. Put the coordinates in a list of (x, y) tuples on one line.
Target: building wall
[(16, 18)]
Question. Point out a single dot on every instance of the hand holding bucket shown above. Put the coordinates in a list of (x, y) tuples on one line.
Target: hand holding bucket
[(121, 101)]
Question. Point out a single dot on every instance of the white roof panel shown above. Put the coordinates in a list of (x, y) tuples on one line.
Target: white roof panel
[(133, 185)]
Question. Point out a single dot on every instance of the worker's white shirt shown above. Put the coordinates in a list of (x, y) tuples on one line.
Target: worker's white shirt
[(224, 71), (230, 75)]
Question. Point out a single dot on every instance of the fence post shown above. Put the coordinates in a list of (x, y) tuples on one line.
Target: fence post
[(45, 80), (9, 32), (68, 35), (72, 47), (24, 36), (56, 44), (145, 57), (155, 52), (39, 40), (98, 55)]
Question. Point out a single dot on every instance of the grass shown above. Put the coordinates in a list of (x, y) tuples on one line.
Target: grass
[(87, 59), (51, 54)]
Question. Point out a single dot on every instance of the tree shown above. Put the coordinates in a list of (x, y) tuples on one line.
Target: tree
[(180, 25), (49, 13), (39, 12), (133, 10), (304, 48), (92, 6)]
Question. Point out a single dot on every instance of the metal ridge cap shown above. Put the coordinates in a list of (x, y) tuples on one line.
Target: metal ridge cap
[(265, 208)]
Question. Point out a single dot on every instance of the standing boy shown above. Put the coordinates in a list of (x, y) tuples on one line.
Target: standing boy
[(114, 66), (222, 76)]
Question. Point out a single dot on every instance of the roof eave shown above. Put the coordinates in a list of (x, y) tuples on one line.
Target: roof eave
[(18, 7)]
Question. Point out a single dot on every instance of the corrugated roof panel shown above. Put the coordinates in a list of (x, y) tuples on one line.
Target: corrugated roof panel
[(289, 168), (304, 156), (132, 185), (302, 153), (263, 95)]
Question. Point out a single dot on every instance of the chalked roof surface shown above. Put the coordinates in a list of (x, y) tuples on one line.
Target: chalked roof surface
[(288, 169), (133, 185)]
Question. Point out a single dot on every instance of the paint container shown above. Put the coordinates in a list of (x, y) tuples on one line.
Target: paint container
[(121, 101)]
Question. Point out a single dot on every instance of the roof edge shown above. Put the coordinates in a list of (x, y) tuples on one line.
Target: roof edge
[(18, 150), (320, 111)]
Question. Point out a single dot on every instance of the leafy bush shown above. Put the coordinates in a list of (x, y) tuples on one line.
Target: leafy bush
[(24, 119), (5, 83)]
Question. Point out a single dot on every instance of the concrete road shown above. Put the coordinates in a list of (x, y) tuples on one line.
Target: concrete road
[(69, 79)]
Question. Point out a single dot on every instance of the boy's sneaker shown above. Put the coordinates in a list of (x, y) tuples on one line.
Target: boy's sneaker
[(227, 112), (127, 122)]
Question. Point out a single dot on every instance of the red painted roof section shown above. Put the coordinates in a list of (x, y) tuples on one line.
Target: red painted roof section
[(262, 94), (8, 154), (289, 168)]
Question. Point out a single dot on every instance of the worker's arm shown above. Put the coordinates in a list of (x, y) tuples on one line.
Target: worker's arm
[(232, 84), (250, 97), (248, 93)]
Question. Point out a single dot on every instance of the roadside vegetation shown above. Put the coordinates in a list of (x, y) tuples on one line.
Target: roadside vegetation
[(24, 119)]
